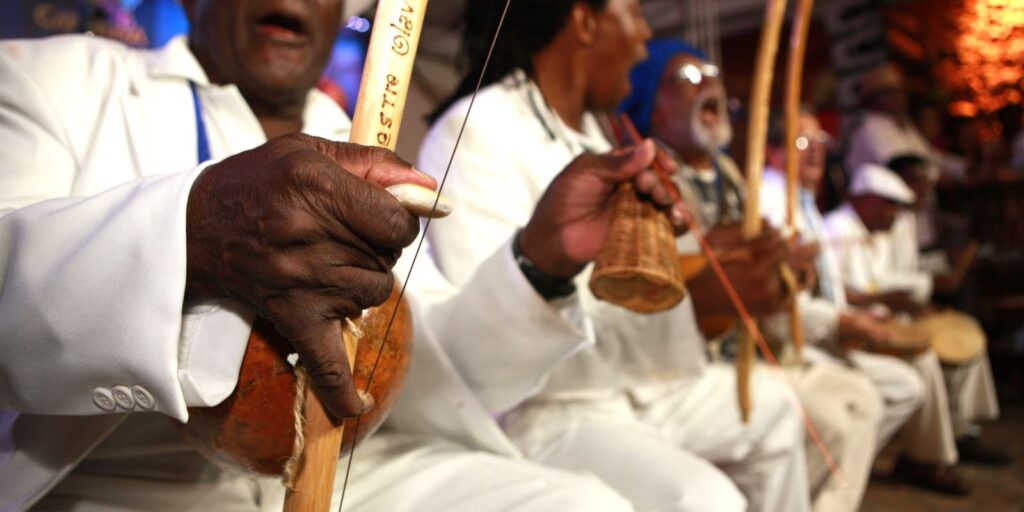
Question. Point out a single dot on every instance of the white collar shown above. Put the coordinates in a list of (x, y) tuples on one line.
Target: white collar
[(176, 60), (321, 116), (590, 138)]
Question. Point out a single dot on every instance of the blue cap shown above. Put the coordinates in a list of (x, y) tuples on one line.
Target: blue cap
[(646, 77)]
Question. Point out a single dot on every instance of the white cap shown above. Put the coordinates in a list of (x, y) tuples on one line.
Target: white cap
[(881, 181)]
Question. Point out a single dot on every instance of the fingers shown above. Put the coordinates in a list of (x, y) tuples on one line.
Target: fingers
[(629, 162), (318, 341), (372, 214)]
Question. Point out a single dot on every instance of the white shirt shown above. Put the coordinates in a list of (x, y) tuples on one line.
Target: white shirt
[(513, 147), (819, 312), (874, 262), (99, 158)]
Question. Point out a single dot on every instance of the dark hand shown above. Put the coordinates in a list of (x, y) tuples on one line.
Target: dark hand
[(570, 223), (865, 329), (901, 302), (301, 230), (802, 260), (753, 269)]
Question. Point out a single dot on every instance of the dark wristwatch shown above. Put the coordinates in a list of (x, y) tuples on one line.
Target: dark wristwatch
[(548, 287)]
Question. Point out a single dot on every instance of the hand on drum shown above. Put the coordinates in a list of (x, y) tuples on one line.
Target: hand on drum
[(570, 223), (865, 329), (302, 230)]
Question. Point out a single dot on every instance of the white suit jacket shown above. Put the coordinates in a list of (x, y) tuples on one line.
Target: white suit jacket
[(495, 182), (98, 159)]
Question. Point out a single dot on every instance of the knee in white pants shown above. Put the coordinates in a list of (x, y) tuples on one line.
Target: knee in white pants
[(906, 386), (583, 494)]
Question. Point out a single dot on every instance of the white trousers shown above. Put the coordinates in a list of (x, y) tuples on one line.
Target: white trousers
[(399, 472), (391, 472), (846, 409), (651, 452), (930, 434), (93, 493), (972, 394)]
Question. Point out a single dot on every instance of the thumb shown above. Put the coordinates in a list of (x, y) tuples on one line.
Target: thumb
[(379, 166)]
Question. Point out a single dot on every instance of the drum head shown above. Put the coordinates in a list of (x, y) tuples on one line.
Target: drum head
[(909, 340), (956, 338)]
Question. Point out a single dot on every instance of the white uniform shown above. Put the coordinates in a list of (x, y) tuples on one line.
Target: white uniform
[(843, 405), (633, 409), (99, 156), (869, 264)]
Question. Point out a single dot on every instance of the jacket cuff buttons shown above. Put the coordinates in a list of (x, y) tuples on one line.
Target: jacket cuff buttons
[(135, 397)]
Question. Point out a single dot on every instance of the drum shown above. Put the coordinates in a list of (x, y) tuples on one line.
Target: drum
[(956, 337), (909, 340)]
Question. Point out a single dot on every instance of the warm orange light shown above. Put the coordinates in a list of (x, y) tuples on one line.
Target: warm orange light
[(989, 53)]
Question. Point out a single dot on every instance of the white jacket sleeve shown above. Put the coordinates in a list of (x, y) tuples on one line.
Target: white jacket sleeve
[(92, 287), (502, 337)]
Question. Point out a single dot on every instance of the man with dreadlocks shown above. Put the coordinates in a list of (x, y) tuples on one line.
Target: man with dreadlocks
[(641, 409)]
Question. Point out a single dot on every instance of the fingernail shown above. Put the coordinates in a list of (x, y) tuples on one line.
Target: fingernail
[(368, 401)]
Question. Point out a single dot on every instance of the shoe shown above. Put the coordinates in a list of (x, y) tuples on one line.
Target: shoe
[(971, 449), (941, 479)]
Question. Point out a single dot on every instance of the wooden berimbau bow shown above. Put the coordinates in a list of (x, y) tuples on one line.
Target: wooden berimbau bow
[(757, 131), (794, 77), (273, 423)]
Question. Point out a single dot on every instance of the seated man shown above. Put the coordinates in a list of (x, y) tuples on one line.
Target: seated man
[(972, 390), (643, 407), (679, 98), (857, 336), (153, 202), (860, 233)]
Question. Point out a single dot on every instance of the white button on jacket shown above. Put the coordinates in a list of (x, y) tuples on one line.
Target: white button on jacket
[(103, 399)]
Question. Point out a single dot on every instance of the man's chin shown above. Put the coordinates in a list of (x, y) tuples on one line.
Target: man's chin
[(283, 80)]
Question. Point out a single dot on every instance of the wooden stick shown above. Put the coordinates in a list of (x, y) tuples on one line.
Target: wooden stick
[(378, 116), (757, 130), (794, 77)]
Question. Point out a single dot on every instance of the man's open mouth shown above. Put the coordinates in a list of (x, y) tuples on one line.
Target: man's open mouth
[(283, 27), (710, 112)]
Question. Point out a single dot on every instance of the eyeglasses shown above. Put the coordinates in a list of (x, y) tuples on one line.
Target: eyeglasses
[(695, 74), (805, 140)]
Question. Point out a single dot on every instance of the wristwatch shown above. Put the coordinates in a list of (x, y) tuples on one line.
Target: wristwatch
[(548, 287)]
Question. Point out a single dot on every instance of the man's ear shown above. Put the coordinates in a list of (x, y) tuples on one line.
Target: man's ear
[(583, 23)]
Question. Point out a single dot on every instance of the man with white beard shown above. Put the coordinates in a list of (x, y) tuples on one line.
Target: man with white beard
[(680, 102)]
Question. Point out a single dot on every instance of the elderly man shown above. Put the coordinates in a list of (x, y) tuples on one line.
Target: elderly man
[(154, 201), (681, 102), (635, 408)]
